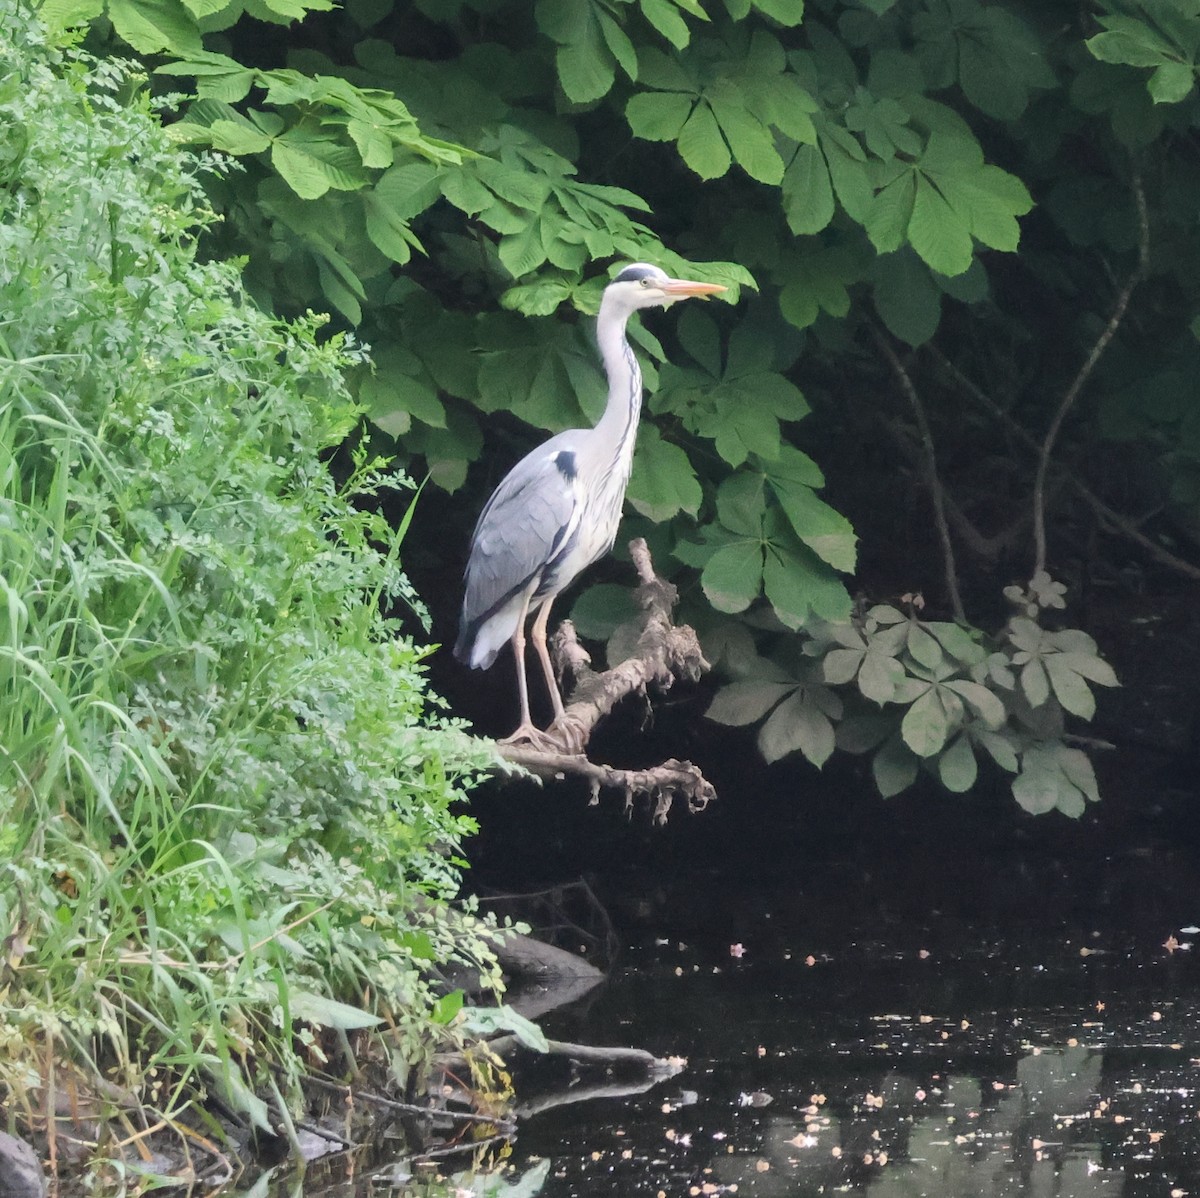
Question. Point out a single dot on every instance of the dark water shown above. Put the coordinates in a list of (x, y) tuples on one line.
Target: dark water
[(921, 1000), (1057, 1065)]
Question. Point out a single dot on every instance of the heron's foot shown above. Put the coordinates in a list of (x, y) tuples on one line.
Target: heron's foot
[(544, 741), (570, 733)]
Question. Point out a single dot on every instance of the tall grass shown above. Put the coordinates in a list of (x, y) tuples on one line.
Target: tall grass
[(228, 805)]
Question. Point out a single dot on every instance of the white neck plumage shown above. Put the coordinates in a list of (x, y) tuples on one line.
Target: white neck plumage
[(617, 427)]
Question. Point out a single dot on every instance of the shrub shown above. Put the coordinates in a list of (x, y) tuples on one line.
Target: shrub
[(227, 800)]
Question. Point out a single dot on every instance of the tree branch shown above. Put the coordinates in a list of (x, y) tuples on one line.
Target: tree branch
[(932, 481), (665, 653), (1085, 371), (1122, 524)]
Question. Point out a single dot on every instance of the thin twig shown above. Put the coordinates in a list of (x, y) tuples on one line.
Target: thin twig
[(407, 1108), (969, 535), (1085, 371), (445, 1150), (1121, 523), (324, 1134), (932, 481)]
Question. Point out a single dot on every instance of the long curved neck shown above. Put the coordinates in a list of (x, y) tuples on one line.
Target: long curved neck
[(617, 427)]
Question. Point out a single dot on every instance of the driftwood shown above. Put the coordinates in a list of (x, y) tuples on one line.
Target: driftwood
[(663, 654), (567, 1073)]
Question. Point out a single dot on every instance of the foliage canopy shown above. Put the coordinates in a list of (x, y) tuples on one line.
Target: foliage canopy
[(444, 174)]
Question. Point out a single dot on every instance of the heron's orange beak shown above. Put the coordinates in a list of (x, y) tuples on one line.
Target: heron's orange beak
[(685, 287)]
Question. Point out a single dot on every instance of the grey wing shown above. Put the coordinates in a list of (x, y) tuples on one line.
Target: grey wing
[(530, 518)]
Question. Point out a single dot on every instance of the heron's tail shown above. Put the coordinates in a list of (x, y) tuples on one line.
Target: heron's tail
[(473, 648)]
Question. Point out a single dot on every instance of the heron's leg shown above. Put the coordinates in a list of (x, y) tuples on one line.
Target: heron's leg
[(537, 634), (526, 730), (518, 646)]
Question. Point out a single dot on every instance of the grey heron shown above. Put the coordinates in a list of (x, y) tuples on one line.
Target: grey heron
[(558, 509)]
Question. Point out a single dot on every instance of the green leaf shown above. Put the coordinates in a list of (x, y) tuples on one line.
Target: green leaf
[(447, 1007), (399, 384), (807, 192), (825, 531), (888, 214), (238, 138), (957, 767), (741, 505), (938, 233), (1077, 767), (848, 170), (1035, 683), (746, 702), (879, 677), (664, 481), (748, 138), (1087, 664), (982, 701), (658, 116), (340, 287), (524, 251), (283, 12), (700, 337), (906, 298), (785, 12), (701, 145), (732, 579), (601, 609), (797, 724), (487, 1021), (372, 142), (957, 641), (1039, 785), (924, 649), (926, 726), (894, 767), (664, 16), (1130, 43), (388, 233), (585, 70), (999, 747), (799, 586), (311, 164), (585, 34), (618, 43), (328, 1012), (746, 428), (60, 15), (1070, 689), (1172, 82), (840, 666), (151, 26)]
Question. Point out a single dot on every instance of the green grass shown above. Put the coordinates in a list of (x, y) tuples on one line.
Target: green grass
[(229, 807)]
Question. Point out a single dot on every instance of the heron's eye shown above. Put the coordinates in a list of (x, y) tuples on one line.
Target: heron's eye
[(645, 282)]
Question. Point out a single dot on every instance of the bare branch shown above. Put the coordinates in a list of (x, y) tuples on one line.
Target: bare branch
[(932, 481), (1085, 371), (1121, 524), (968, 532), (665, 653)]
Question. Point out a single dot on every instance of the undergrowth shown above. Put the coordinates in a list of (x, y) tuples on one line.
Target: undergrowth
[(228, 819)]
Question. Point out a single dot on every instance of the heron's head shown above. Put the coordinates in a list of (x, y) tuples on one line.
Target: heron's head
[(644, 286)]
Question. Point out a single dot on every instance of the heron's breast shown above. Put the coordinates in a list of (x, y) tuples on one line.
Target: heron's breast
[(600, 501)]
